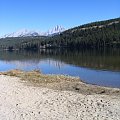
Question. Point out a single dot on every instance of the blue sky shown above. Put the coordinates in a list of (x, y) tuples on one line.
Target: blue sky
[(45, 14)]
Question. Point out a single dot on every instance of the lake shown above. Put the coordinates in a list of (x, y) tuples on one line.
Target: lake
[(101, 67)]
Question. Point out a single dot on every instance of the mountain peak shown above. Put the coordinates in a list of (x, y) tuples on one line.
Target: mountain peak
[(25, 32), (56, 30)]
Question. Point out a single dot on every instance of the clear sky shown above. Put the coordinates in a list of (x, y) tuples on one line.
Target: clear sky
[(45, 14)]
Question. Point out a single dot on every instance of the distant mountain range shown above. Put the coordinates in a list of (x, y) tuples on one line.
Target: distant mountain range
[(28, 33), (95, 35)]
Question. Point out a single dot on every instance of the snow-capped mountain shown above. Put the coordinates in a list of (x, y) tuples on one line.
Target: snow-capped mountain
[(56, 30), (26, 33), (22, 33)]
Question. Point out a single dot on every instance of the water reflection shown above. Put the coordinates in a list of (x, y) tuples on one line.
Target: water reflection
[(89, 65)]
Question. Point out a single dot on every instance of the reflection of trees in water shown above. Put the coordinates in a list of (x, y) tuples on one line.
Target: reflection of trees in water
[(100, 59)]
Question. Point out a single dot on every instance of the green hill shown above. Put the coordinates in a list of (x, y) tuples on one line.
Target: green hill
[(93, 35)]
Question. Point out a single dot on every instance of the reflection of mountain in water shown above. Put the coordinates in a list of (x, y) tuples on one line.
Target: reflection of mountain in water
[(98, 59), (34, 63), (23, 64)]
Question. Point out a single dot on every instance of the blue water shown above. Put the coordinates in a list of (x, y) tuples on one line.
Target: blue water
[(51, 66)]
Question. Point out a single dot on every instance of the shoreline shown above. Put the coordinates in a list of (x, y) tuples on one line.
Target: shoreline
[(33, 95), (60, 82)]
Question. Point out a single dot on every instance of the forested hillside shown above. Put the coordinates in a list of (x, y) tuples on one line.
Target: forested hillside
[(93, 35)]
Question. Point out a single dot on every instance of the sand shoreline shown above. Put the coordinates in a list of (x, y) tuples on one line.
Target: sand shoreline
[(23, 100)]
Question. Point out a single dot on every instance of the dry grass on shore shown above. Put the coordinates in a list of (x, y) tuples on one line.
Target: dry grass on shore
[(60, 82)]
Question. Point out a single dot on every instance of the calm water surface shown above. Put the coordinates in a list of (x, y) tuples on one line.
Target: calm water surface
[(96, 67)]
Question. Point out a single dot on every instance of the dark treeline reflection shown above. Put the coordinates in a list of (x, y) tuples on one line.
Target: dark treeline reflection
[(107, 59)]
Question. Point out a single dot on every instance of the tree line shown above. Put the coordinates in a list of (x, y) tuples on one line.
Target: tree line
[(93, 35)]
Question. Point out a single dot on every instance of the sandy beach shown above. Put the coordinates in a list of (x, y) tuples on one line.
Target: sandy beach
[(23, 100)]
